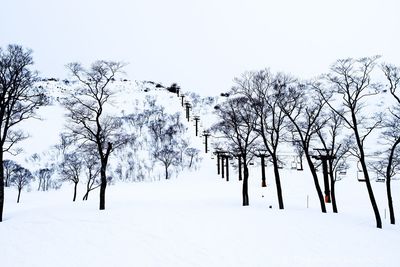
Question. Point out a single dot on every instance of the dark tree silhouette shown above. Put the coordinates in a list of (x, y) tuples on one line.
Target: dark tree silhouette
[(303, 107), (19, 100), (237, 123), (167, 136), (336, 147), (390, 165), (350, 81), (9, 169), (92, 166), (21, 178), (86, 107), (264, 89), (193, 154), (70, 170), (44, 176)]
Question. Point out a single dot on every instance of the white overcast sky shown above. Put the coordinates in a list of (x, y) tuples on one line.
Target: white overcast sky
[(202, 44)]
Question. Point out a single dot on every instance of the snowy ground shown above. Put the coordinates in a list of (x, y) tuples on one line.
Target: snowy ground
[(197, 220)]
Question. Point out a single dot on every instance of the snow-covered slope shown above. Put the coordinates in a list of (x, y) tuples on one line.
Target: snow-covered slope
[(194, 219)]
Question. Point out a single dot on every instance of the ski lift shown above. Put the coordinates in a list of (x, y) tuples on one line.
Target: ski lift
[(341, 169), (360, 173), (379, 179), (340, 173)]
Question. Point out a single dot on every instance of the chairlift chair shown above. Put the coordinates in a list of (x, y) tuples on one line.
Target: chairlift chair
[(293, 164), (379, 179)]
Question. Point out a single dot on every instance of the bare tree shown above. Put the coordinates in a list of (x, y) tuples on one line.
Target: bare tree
[(9, 168), (238, 125), (193, 154), (44, 176), (21, 178), (168, 156), (336, 147), (18, 101), (167, 134), (86, 108), (350, 81), (303, 107), (70, 170), (264, 89), (92, 172), (389, 166)]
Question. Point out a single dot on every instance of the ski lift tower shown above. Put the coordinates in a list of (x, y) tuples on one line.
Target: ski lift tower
[(182, 97), (206, 134), (238, 155), (218, 152), (196, 119), (262, 153), (188, 107)]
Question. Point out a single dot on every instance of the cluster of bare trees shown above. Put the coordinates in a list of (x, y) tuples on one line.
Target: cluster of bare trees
[(93, 133), (328, 120), (18, 101), (16, 175), (88, 123)]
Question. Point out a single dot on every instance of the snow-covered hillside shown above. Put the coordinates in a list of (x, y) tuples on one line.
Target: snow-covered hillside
[(193, 219)]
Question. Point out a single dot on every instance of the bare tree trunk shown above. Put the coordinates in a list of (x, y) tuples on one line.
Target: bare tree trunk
[(316, 183), (332, 178), (103, 186), (40, 184), (388, 183), (75, 186), (19, 194), (278, 181), (366, 174), (166, 172), (103, 176), (86, 196), (390, 201), (191, 161), (370, 192), (245, 190), (1, 185)]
